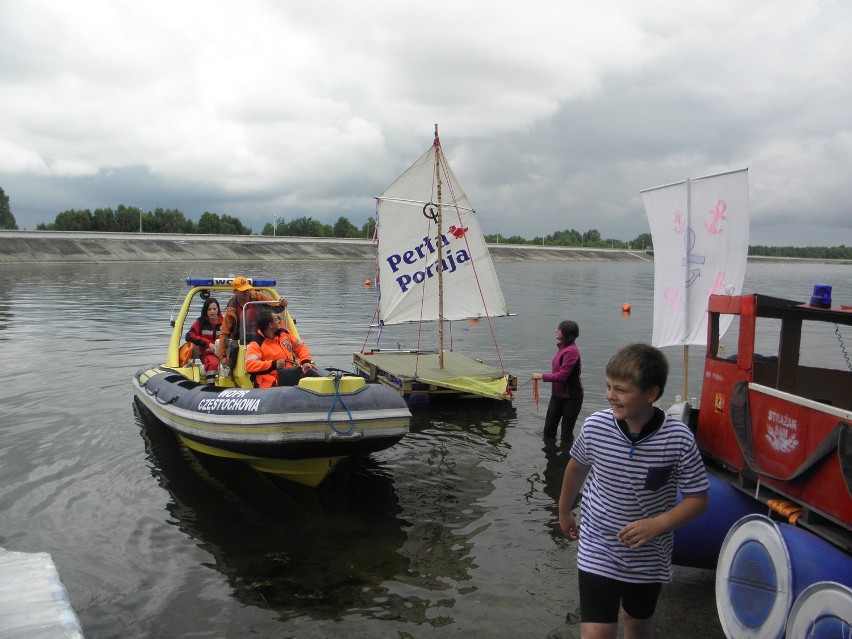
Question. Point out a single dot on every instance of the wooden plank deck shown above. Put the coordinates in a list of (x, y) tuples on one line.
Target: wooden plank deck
[(413, 372)]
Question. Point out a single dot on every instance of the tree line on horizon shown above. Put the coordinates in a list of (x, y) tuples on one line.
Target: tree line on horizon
[(131, 219)]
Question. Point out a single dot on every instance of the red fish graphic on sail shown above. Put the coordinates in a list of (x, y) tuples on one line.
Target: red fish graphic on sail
[(457, 232)]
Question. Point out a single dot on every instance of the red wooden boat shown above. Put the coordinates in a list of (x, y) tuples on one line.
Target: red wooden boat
[(780, 426)]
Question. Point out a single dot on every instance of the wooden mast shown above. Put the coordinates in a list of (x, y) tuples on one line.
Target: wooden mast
[(437, 145)]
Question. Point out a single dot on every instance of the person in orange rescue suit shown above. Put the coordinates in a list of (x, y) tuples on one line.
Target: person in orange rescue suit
[(275, 357), (231, 331), (202, 335)]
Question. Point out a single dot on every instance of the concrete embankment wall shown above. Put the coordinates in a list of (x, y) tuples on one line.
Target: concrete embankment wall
[(61, 246)]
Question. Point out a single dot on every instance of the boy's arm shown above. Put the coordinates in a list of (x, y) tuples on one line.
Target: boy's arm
[(572, 481), (640, 532)]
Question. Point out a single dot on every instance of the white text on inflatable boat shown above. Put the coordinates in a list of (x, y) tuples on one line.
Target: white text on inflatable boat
[(230, 400), (423, 251)]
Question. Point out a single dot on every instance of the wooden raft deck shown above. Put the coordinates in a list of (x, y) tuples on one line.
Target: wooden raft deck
[(411, 372)]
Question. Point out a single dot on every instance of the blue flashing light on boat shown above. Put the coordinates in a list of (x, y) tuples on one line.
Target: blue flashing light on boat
[(225, 281)]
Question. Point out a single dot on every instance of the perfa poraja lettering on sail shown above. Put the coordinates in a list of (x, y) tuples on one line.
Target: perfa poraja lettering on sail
[(452, 259)]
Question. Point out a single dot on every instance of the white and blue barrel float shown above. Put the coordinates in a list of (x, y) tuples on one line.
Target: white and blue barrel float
[(822, 611), (764, 567), (698, 544)]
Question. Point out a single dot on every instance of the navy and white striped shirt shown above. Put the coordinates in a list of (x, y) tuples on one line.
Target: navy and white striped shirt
[(628, 482)]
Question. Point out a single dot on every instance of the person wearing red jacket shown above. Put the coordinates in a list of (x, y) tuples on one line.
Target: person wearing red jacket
[(275, 357), (202, 335)]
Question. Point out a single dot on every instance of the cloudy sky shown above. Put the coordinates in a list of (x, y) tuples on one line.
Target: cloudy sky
[(553, 113)]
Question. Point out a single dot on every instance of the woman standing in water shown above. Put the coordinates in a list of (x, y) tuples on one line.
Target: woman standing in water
[(566, 397)]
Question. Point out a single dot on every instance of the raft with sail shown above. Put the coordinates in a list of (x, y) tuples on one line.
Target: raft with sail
[(433, 266)]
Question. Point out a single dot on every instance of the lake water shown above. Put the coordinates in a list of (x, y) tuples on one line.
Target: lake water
[(451, 533)]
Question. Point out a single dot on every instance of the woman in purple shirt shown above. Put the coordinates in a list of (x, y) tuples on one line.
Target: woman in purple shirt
[(566, 397)]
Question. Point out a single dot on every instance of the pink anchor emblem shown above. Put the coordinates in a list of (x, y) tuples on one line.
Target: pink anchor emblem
[(680, 225), (717, 214)]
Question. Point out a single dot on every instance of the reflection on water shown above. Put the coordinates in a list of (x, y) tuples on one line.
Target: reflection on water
[(280, 546), (557, 455), (373, 542), (451, 533)]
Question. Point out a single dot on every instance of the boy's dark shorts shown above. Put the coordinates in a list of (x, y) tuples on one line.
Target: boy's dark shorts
[(600, 598)]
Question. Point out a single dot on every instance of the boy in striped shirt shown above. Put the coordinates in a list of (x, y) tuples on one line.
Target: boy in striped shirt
[(633, 458)]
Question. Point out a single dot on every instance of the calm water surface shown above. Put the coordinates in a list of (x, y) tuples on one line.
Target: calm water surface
[(451, 533)]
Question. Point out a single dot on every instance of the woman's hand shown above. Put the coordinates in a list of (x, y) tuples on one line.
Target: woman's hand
[(536, 376)]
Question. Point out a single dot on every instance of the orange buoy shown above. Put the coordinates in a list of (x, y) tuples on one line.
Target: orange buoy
[(367, 282), (625, 307)]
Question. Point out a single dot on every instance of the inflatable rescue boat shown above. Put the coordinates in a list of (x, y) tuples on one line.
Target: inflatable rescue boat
[(298, 432)]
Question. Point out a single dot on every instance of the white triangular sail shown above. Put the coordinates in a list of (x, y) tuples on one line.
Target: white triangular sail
[(700, 231), (407, 233)]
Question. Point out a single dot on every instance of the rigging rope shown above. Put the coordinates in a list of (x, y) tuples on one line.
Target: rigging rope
[(443, 164)]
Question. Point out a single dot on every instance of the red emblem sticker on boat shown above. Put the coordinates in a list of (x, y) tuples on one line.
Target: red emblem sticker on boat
[(719, 403)]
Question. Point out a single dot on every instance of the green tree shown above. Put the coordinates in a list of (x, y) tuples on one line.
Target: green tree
[(642, 242), (231, 225), (167, 221), (127, 219), (344, 228), (592, 237), (306, 227), (103, 220), (7, 220), (209, 223), (73, 220), (566, 238)]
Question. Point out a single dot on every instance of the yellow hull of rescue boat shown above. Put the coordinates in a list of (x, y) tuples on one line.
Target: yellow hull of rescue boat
[(308, 472)]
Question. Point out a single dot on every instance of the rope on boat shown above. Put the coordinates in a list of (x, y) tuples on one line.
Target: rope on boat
[(786, 509), (842, 347), (337, 376)]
